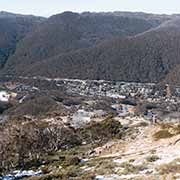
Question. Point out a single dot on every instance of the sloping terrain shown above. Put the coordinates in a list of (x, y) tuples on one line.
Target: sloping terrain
[(146, 57), (112, 46), (13, 28), (147, 156), (91, 130), (67, 32), (71, 45)]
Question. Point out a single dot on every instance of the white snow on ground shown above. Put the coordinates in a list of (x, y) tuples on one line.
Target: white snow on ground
[(82, 117), (21, 174), (4, 96), (22, 99), (167, 155), (114, 177), (115, 95), (119, 161)]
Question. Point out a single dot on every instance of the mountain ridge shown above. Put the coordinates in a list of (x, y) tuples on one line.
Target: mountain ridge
[(124, 46)]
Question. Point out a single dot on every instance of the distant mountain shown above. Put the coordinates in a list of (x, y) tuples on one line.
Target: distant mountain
[(67, 32), (13, 28), (139, 15), (5, 14), (113, 46)]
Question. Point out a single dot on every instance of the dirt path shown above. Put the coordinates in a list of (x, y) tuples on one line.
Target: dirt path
[(145, 150)]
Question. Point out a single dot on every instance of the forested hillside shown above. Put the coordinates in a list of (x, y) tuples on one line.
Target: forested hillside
[(113, 46)]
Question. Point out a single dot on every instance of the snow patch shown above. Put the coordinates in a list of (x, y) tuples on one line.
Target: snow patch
[(4, 96)]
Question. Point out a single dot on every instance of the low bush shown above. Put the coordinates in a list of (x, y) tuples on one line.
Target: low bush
[(152, 158), (101, 131), (129, 168), (39, 106), (162, 134)]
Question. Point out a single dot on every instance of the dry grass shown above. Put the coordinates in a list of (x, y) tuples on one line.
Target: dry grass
[(171, 168), (167, 130), (131, 169), (162, 134)]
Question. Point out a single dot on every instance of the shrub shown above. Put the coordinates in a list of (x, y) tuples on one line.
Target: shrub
[(27, 145), (129, 168), (39, 106), (152, 158), (102, 131), (4, 106), (162, 134), (72, 160)]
